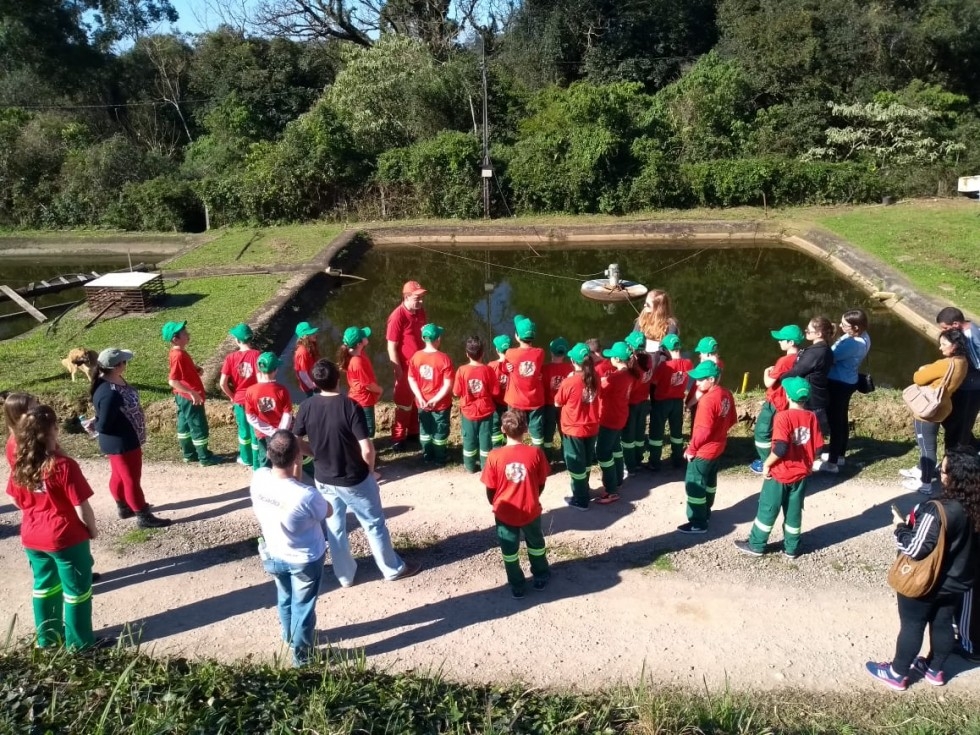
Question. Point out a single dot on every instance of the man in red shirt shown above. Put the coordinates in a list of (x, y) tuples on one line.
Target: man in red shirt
[(268, 406), (514, 476), (404, 335), (237, 375), (790, 339), (714, 417), (430, 378), (185, 380), (796, 442)]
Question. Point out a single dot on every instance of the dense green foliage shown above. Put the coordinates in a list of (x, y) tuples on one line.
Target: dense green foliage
[(594, 106)]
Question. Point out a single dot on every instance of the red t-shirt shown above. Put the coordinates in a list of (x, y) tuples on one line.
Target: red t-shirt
[(303, 362), (641, 382), (775, 393), (50, 522), (553, 374), (429, 370), (360, 372), (579, 408), (670, 379), (475, 386), (602, 365), (716, 415), (240, 368), (268, 402), (516, 473), (405, 329), (800, 430), (614, 399), (692, 392), (182, 368), (525, 389), (502, 380)]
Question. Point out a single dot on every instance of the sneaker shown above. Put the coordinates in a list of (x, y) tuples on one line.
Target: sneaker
[(607, 498), (756, 467), (242, 462), (573, 503), (825, 457), (211, 461), (883, 672), (517, 594), (822, 466), (653, 467), (791, 555), (936, 678), (915, 486), (745, 548), (96, 576), (691, 528), (541, 583), (913, 473), (410, 569)]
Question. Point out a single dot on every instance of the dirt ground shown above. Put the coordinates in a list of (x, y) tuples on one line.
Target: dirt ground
[(629, 596)]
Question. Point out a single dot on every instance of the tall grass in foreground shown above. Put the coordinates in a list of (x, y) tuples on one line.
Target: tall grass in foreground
[(124, 691)]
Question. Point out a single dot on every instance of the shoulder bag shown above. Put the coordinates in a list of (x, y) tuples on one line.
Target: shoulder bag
[(924, 401), (911, 578)]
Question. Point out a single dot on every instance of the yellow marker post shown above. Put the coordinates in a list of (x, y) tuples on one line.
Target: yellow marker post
[(745, 383)]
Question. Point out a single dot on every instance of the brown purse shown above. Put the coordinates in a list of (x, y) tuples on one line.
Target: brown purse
[(917, 578)]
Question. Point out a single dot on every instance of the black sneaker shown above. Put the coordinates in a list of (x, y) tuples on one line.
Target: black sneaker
[(745, 548), (577, 505), (691, 528), (517, 594), (540, 584), (123, 510), (145, 519)]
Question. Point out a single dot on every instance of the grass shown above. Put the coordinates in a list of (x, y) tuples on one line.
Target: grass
[(125, 691), (409, 542), (134, 537), (661, 561), (259, 246)]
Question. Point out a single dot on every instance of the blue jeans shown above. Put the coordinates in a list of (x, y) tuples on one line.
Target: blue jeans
[(364, 501), (298, 586)]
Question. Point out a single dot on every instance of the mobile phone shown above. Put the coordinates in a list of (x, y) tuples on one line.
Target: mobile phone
[(896, 512)]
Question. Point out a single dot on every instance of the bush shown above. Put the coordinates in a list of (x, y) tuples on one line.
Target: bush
[(161, 204), (659, 182)]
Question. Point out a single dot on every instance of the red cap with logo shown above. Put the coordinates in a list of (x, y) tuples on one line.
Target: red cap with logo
[(413, 288)]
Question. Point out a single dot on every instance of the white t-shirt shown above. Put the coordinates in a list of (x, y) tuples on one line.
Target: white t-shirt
[(290, 514)]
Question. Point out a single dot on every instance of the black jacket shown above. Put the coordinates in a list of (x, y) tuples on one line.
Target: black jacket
[(814, 363), (117, 435), (919, 539)]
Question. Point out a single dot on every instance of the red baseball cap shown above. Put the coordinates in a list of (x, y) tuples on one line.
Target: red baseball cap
[(413, 288)]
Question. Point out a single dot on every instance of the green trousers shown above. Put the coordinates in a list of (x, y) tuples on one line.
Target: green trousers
[(247, 441), (434, 434), (549, 424), (763, 430), (192, 430), (537, 553), (63, 596), (670, 412), (700, 484), (579, 457), (477, 442), (260, 456), (776, 496), (535, 425), (634, 435), (609, 455), (368, 413), (496, 433)]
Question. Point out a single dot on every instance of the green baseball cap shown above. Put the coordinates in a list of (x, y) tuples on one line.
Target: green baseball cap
[(706, 369), (305, 329), (524, 327), (242, 332), (707, 346), (673, 342), (636, 340), (171, 330), (353, 336), (558, 346), (268, 361), (579, 353), (797, 389), (619, 351), (790, 333), (432, 332), (502, 342)]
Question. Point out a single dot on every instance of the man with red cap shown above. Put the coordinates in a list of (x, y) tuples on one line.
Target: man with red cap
[(404, 335)]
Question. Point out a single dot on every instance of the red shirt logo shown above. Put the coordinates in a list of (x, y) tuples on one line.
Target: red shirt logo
[(526, 368), (475, 385)]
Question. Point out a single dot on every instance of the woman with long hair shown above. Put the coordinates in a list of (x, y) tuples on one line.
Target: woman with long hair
[(578, 400), (952, 347), (917, 537), (656, 319), (813, 362), (121, 426), (849, 350), (57, 525)]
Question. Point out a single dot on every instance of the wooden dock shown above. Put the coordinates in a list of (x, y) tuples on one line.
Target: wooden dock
[(22, 303)]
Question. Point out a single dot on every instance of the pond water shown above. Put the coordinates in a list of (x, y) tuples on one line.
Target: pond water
[(19, 271), (735, 295)]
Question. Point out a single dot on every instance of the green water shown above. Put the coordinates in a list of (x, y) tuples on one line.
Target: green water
[(734, 295)]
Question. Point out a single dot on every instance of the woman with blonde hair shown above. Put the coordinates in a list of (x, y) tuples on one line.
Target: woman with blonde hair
[(656, 320)]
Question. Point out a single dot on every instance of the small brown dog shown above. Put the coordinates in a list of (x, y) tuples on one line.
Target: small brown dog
[(81, 359)]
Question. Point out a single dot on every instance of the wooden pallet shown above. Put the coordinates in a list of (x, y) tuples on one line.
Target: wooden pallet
[(129, 293)]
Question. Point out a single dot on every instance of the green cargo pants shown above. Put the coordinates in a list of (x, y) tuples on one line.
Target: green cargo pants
[(635, 435), (63, 596), (247, 440), (192, 430), (700, 484), (537, 553), (609, 455), (670, 412), (776, 496), (434, 434), (477, 442), (763, 430), (579, 457)]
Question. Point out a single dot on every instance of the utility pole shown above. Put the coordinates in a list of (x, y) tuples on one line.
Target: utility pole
[(486, 171)]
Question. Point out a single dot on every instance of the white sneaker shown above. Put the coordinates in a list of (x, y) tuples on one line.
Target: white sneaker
[(825, 457), (913, 474), (917, 486), (824, 466)]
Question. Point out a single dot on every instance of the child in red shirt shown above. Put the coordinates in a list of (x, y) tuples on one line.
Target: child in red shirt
[(525, 387), (790, 339), (796, 443), (635, 432), (614, 409), (578, 399), (362, 386), (670, 384), (514, 476), (268, 406), (501, 343), (554, 372), (237, 376), (715, 416), (707, 350), (185, 380), (476, 386), (305, 356), (430, 376)]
